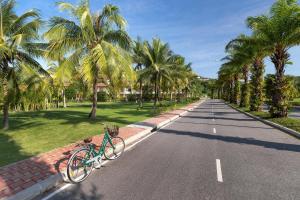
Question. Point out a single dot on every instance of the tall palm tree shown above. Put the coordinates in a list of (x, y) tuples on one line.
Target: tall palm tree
[(138, 59), (254, 52), (278, 31), (17, 48), (234, 70), (94, 40), (226, 76), (158, 60), (241, 58)]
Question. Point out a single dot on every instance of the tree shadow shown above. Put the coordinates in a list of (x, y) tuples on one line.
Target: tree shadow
[(19, 175), (216, 124), (21, 120), (78, 193), (237, 140), (216, 113), (222, 118)]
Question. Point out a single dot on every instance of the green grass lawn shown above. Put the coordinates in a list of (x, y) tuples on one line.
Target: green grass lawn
[(32, 133), (296, 102), (291, 123)]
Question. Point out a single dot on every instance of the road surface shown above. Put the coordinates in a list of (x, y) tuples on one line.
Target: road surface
[(295, 112), (212, 153)]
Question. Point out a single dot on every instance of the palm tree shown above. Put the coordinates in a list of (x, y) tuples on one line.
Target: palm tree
[(138, 59), (278, 31), (233, 69), (62, 72), (17, 48), (241, 58), (95, 41), (158, 60), (226, 76), (35, 90), (254, 52)]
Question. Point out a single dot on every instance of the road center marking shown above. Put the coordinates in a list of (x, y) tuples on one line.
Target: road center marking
[(219, 171), (214, 130), (213, 120)]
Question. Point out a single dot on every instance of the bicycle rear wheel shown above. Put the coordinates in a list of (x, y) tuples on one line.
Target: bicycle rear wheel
[(77, 169), (115, 151)]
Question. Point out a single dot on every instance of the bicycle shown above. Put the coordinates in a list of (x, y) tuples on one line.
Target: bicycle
[(83, 160)]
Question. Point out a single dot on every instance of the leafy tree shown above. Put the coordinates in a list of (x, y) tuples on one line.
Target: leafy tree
[(251, 50), (290, 91), (278, 31), (17, 48), (94, 41), (138, 58), (158, 60)]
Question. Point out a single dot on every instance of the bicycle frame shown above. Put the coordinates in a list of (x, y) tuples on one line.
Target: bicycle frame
[(100, 153)]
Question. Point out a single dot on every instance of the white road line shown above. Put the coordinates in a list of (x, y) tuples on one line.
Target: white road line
[(57, 191), (214, 130), (213, 120), (219, 171)]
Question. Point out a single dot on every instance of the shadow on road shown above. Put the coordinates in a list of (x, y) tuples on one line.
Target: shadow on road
[(216, 117), (77, 193), (238, 140), (216, 124)]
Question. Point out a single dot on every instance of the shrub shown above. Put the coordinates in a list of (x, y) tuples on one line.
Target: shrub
[(103, 96)]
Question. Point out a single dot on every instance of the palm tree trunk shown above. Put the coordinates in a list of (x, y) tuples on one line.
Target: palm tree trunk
[(64, 98), (5, 110), (92, 114), (5, 116), (245, 88), (141, 94), (236, 89), (155, 92), (57, 103), (279, 107), (256, 98), (231, 91)]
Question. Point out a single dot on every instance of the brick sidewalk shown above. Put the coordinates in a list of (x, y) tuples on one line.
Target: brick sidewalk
[(24, 174)]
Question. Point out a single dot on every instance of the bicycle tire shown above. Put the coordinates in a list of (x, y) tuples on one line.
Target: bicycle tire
[(111, 153), (86, 169)]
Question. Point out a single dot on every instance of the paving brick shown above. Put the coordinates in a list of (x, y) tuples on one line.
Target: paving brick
[(2, 184), (28, 184)]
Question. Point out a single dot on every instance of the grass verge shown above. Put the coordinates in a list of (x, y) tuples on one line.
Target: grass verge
[(291, 123)]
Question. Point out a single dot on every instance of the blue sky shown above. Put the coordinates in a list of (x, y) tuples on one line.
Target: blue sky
[(196, 29)]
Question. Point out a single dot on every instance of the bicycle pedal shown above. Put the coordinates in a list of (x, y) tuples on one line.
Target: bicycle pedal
[(98, 164)]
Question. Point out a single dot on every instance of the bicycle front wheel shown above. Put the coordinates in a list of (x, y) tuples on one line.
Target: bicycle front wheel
[(115, 150), (77, 169)]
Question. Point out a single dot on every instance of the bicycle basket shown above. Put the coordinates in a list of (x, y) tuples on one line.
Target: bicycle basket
[(113, 131)]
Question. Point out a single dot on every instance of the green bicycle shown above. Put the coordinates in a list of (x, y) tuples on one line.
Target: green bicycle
[(83, 160)]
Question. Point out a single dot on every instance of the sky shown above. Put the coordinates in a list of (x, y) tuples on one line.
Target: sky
[(195, 29)]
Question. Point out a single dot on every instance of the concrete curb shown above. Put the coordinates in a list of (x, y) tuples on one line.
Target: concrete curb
[(274, 125), (57, 179)]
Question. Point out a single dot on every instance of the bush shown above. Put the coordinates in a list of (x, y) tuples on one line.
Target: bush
[(132, 97), (70, 93), (102, 96), (289, 92)]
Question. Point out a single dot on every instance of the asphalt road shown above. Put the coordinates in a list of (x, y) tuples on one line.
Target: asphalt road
[(214, 152), (295, 112)]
